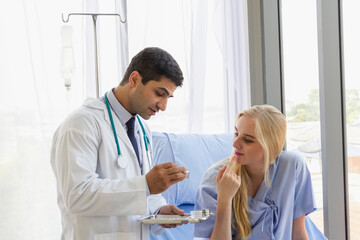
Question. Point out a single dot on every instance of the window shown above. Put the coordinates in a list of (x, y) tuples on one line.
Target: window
[(301, 85)]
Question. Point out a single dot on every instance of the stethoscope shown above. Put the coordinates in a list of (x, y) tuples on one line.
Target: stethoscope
[(122, 162)]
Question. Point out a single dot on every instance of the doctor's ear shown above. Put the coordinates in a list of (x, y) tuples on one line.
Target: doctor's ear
[(135, 78)]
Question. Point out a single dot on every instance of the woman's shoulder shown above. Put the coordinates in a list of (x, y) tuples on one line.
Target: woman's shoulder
[(290, 157), (290, 161)]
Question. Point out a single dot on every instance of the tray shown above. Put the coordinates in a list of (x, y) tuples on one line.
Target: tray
[(175, 219)]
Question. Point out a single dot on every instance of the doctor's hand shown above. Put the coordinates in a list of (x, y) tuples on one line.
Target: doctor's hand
[(227, 181), (171, 210), (162, 176)]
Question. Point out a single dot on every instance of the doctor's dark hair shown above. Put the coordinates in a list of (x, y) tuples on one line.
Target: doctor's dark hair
[(153, 63), (270, 132)]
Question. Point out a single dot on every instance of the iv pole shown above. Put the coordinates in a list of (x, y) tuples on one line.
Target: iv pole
[(94, 18)]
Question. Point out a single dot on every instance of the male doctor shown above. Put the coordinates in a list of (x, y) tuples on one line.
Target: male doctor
[(100, 194)]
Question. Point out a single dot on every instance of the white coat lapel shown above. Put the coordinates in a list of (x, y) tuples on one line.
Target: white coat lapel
[(121, 133)]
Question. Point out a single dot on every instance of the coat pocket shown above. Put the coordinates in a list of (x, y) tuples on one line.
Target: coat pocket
[(115, 236)]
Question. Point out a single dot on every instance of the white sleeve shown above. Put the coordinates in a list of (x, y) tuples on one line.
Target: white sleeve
[(74, 159)]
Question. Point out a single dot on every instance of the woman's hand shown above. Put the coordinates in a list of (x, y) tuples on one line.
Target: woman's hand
[(227, 181)]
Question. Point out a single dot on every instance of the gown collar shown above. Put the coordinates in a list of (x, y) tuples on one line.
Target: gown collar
[(263, 190)]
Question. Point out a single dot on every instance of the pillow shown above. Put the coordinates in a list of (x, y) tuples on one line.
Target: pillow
[(197, 152)]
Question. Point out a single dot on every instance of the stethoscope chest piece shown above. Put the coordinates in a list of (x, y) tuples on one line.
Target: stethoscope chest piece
[(121, 162)]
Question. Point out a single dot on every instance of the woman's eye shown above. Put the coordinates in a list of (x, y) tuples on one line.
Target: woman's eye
[(247, 140), (236, 134)]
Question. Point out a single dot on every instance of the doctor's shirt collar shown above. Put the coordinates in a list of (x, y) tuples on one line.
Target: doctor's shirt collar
[(119, 110)]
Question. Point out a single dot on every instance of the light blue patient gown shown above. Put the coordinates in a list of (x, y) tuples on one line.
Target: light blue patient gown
[(273, 209)]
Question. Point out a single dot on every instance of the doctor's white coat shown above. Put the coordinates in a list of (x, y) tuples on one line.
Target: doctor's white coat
[(98, 200)]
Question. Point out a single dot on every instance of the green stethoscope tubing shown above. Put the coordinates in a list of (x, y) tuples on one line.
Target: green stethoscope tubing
[(146, 139)]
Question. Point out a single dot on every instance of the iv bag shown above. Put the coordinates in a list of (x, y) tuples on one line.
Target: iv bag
[(67, 62)]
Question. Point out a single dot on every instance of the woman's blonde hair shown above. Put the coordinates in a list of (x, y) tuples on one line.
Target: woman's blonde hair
[(270, 132)]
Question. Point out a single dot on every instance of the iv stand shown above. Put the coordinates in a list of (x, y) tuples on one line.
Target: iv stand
[(94, 18)]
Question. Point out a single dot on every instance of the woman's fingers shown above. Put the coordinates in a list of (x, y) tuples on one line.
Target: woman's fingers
[(230, 170), (232, 164), (227, 181), (220, 173)]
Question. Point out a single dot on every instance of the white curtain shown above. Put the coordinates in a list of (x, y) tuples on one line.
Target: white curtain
[(232, 34), (33, 101), (228, 20), (197, 77)]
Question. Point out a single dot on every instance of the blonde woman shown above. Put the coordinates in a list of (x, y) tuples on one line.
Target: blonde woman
[(260, 192)]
